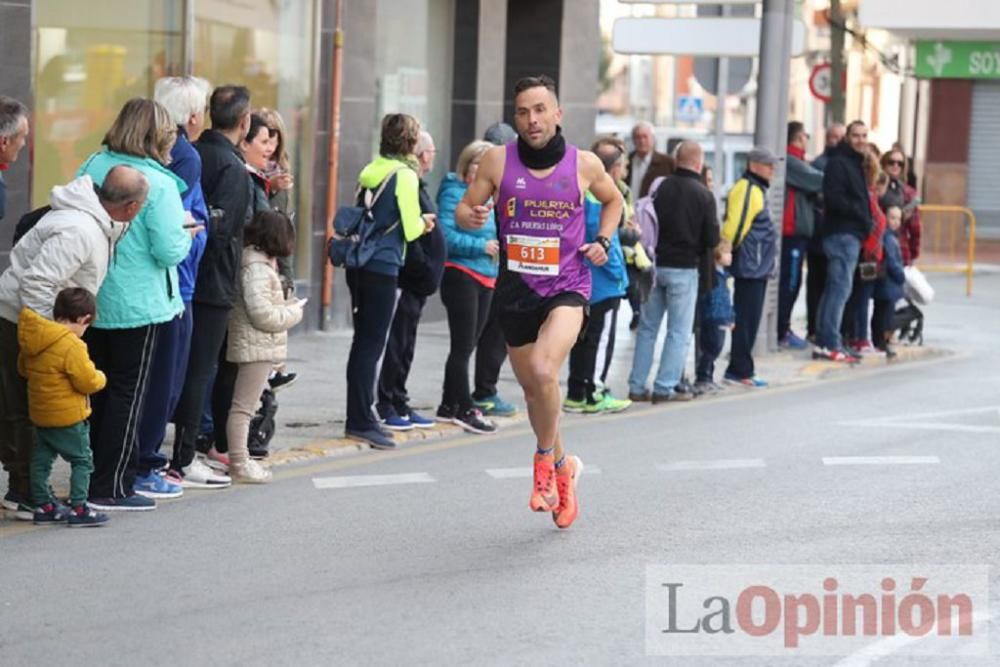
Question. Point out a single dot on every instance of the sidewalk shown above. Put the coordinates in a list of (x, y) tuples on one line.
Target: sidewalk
[(311, 413)]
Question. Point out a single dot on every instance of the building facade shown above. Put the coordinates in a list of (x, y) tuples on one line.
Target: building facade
[(451, 63), (953, 112)]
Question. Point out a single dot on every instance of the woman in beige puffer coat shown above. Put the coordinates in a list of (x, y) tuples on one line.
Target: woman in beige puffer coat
[(258, 332)]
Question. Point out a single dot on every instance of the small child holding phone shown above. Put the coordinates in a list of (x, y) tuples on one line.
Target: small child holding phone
[(258, 332)]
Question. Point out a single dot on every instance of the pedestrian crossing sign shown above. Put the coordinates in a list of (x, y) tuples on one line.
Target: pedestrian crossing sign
[(690, 109)]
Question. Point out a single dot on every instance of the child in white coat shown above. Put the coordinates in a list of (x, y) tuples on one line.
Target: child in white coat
[(258, 332)]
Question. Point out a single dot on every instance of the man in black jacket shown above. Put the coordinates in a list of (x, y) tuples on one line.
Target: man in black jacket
[(816, 259), (847, 222), (688, 228), (229, 196), (418, 279)]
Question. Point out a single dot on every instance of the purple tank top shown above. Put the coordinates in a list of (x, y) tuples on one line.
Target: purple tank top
[(542, 226)]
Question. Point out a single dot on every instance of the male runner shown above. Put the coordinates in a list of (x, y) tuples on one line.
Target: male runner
[(543, 288)]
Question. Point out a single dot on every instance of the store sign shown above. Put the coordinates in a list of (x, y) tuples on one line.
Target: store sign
[(958, 60)]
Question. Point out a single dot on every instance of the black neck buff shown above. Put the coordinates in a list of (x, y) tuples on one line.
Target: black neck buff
[(545, 157)]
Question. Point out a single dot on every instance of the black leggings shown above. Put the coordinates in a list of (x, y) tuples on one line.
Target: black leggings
[(584, 369), (373, 297), (468, 304)]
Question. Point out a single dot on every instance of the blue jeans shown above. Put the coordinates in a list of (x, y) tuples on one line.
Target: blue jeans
[(842, 252), (793, 252), (674, 294)]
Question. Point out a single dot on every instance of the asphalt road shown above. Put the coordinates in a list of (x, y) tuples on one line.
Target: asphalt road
[(430, 556)]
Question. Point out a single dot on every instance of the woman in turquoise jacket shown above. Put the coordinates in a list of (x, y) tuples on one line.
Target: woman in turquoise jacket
[(140, 293), (466, 290)]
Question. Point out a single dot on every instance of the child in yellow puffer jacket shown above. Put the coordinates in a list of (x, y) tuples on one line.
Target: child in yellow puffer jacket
[(60, 378)]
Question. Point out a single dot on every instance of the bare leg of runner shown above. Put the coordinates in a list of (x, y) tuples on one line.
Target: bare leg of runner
[(537, 367)]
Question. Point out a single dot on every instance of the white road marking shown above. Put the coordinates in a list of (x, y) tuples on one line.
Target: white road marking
[(352, 481), (885, 648), (929, 426), (924, 421), (525, 473), (718, 464), (878, 460)]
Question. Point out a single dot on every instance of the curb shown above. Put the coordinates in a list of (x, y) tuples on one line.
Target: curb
[(809, 371), (338, 447)]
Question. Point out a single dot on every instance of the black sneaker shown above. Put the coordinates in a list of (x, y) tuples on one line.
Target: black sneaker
[(472, 421), (12, 499), (280, 381), (204, 442), (672, 397), (446, 414), (82, 516), (685, 387), (50, 514)]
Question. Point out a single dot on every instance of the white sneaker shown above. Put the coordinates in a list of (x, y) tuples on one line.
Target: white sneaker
[(250, 472), (200, 476)]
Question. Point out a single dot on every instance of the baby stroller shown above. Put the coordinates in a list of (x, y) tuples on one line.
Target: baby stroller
[(908, 323), (908, 319), (262, 425)]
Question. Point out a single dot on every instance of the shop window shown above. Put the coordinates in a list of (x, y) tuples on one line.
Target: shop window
[(86, 65), (413, 66), (267, 45)]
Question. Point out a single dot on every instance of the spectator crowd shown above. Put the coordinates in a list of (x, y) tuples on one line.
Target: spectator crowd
[(157, 288)]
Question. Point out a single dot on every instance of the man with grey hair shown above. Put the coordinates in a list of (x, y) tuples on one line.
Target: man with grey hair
[(13, 134), (70, 246), (645, 163), (688, 229)]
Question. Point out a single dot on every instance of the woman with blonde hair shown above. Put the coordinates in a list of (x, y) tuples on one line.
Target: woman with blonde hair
[(855, 323), (139, 295), (467, 285)]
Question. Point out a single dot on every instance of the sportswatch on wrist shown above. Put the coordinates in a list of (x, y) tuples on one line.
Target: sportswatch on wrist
[(604, 242)]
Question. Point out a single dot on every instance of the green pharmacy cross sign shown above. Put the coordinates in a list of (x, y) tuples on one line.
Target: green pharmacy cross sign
[(958, 60)]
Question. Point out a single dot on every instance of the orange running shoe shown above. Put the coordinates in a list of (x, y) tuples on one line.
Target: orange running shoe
[(566, 480), (544, 497)]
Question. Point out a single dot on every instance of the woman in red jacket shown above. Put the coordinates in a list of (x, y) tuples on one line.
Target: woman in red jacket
[(855, 322), (898, 193)]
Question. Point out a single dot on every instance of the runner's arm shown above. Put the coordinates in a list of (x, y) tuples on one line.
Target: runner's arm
[(473, 212)]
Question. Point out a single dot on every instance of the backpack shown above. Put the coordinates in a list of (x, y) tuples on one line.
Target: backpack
[(756, 253), (262, 425), (645, 218), (29, 220), (356, 233)]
